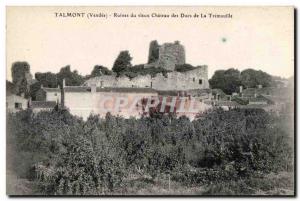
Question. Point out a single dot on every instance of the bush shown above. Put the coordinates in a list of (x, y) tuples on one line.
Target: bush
[(184, 67), (137, 70), (66, 155)]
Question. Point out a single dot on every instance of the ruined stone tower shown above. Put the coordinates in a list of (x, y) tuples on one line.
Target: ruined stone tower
[(168, 56)]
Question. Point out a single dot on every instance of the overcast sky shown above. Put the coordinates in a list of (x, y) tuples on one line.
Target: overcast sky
[(257, 37)]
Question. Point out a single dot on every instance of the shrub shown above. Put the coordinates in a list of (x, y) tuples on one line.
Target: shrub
[(79, 157)]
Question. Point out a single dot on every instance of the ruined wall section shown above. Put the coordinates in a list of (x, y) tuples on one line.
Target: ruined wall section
[(194, 79), (170, 55)]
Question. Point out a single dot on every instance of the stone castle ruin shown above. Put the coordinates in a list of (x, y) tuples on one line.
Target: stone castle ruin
[(166, 56), (182, 86)]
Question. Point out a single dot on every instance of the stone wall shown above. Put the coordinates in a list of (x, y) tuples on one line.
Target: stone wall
[(83, 104), (194, 79)]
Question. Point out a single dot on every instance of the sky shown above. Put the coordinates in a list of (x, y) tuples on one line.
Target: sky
[(255, 37)]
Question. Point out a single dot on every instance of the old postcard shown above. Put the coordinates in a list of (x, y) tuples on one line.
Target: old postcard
[(141, 101)]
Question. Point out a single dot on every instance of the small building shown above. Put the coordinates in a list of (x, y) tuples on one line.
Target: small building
[(15, 103), (48, 94)]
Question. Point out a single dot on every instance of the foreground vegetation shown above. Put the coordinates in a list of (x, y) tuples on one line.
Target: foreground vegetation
[(235, 152)]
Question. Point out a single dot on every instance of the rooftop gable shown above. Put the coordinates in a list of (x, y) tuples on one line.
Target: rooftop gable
[(43, 104)]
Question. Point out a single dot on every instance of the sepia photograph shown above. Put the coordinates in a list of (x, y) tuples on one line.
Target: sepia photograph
[(150, 101)]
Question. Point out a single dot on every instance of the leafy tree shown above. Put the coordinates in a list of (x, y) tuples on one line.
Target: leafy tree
[(227, 80), (72, 78), (251, 78), (137, 70), (47, 79), (100, 70), (122, 62), (230, 80), (10, 87), (34, 89)]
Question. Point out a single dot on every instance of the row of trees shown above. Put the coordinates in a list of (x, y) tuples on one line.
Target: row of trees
[(23, 83), (230, 80), (63, 154)]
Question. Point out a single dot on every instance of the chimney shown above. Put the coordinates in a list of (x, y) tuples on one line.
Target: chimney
[(64, 83), (62, 94), (29, 102), (93, 88), (241, 89)]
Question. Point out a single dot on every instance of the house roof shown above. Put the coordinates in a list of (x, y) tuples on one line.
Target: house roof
[(227, 103), (187, 92), (259, 99), (255, 106), (126, 90), (77, 89), (272, 91), (277, 99), (8, 96), (109, 89), (43, 104), (222, 103), (50, 89), (167, 93)]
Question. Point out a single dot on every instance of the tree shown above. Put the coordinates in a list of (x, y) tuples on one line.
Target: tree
[(227, 80), (10, 88), (122, 62), (100, 70), (47, 79), (251, 78), (153, 51), (34, 89), (72, 78)]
